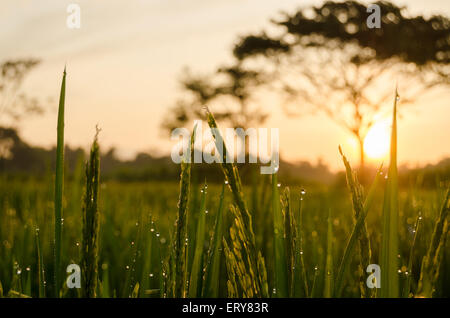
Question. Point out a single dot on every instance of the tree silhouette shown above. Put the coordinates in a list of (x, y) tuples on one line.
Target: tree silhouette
[(15, 104), (232, 87), (326, 58)]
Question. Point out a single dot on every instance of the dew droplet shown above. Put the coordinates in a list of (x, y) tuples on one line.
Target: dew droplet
[(302, 191), (279, 185), (151, 275), (19, 271), (206, 211), (157, 234), (152, 230), (226, 182), (28, 269)]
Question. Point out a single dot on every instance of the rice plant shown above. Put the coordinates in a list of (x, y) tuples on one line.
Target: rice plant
[(91, 223)]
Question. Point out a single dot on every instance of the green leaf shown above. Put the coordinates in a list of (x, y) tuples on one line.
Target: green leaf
[(389, 245), (212, 272), (59, 185), (280, 260), (195, 281)]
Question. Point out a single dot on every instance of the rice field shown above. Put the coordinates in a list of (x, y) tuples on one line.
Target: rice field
[(234, 239)]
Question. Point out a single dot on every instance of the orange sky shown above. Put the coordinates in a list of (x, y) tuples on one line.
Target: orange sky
[(124, 62)]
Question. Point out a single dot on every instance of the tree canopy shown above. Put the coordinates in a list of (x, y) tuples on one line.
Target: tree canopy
[(326, 58)]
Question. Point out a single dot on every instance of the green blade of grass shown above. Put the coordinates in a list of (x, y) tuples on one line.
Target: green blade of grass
[(300, 282), (105, 281), (147, 249), (40, 266), (407, 287), (329, 272), (389, 246), (59, 184), (195, 281), (280, 260), (212, 273), (314, 288), (289, 236)]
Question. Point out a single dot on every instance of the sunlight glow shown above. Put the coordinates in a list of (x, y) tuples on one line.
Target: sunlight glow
[(376, 143)]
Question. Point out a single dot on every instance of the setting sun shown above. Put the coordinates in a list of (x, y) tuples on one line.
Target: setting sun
[(376, 143)]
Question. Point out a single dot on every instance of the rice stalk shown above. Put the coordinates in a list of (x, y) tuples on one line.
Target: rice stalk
[(432, 260), (360, 223), (357, 195), (253, 279), (90, 216), (178, 258)]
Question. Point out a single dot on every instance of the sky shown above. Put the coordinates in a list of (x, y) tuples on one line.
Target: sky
[(125, 61)]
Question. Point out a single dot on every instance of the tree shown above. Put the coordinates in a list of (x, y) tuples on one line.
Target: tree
[(326, 58), (15, 104), (231, 86)]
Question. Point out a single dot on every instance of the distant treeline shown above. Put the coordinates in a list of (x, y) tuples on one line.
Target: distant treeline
[(21, 160)]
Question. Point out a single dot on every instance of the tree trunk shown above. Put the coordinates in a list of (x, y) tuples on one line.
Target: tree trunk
[(361, 160)]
